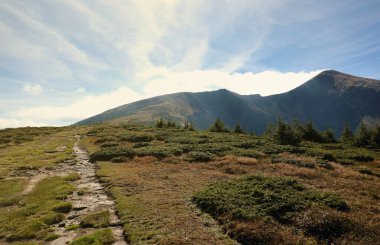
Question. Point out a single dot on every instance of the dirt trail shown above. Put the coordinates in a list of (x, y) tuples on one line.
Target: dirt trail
[(92, 198), (88, 196), (33, 182)]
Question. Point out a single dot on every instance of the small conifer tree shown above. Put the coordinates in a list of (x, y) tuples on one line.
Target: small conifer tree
[(363, 136), (218, 126), (284, 134), (269, 132), (347, 136), (238, 129), (328, 136)]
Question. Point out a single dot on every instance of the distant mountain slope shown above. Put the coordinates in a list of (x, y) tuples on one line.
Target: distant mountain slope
[(329, 99)]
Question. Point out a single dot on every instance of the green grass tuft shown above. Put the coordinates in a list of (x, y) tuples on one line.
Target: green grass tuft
[(95, 219), (96, 238)]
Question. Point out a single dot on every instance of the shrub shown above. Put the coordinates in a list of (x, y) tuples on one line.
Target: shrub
[(104, 140), (246, 144), (198, 156), (294, 162), (329, 157), (362, 158), (323, 223), (109, 153), (214, 148), (159, 151), (137, 137), (118, 159), (141, 144), (109, 144), (366, 171), (256, 196), (258, 232)]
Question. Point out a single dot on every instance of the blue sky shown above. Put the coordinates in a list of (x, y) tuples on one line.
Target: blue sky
[(62, 61)]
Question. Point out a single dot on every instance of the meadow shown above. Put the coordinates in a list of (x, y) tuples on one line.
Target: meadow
[(183, 186)]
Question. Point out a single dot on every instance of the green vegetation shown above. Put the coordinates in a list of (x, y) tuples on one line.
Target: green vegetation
[(218, 126), (238, 129), (270, 199), (38, 210), (96, 219), (311, 188), (161, 123), (72, 177), (98, 237)]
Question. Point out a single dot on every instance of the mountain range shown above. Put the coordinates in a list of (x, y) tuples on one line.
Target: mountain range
[(328, 100)]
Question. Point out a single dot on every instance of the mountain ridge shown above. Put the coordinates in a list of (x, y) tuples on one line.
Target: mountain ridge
[(328, 99)]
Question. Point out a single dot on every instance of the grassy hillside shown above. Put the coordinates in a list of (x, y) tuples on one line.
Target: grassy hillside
[(174, 186), (328, 100)]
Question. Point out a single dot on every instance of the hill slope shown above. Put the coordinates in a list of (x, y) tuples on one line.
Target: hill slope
[(329, 99)]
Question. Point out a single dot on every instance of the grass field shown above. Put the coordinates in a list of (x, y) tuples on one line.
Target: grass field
[(173, 186), (159, 176)]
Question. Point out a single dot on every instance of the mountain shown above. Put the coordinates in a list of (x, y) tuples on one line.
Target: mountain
[(329, 99)]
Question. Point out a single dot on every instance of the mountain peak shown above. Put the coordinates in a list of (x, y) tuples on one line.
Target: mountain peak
[(342, 81)]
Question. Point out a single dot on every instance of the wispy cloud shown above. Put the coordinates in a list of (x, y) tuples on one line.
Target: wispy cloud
[(264, 83), (34, 89), (60, 50)]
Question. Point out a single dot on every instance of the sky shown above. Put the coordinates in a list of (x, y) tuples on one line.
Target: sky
[(65, 60)]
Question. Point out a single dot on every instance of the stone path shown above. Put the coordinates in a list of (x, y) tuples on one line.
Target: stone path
[(88, 196), (91, 198)]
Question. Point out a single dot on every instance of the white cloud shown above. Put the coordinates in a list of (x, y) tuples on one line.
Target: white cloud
[(84, 107), (34, 89), (15, 123), (265, 83)]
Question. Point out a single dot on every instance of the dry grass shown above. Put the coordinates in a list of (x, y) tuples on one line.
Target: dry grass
[(155, 196)]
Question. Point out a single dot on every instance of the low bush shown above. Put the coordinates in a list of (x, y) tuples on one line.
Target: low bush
[(324, 223), (294, 162), (137, 137), (257, 196), (254, 207), (159, 151), (329, 157), (109, 144), (198, 156), (361, 158), (118, 159), (108, 153), (141, 144)]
